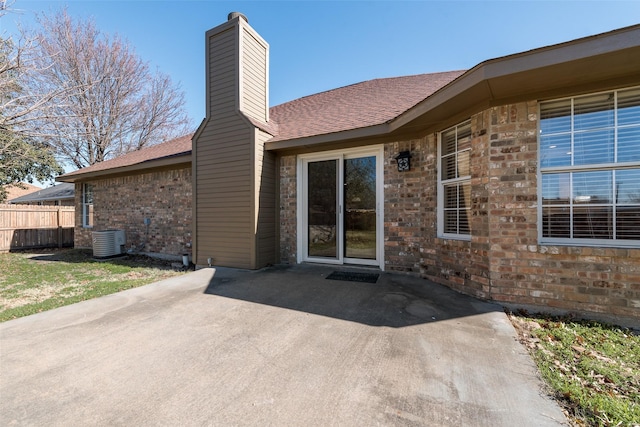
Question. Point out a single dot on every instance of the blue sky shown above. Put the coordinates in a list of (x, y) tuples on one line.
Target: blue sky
[(321, 45)]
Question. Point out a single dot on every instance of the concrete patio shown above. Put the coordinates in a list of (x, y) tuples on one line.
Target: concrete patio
[(280, 346)]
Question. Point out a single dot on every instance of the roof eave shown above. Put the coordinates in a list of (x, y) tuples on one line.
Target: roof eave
[(16, 201), (172, 161), (329, 138), (597, 62), (201, 128)]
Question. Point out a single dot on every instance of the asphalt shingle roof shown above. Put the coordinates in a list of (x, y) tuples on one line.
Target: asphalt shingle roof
[(57, 192), (360, 105), (171, 148)]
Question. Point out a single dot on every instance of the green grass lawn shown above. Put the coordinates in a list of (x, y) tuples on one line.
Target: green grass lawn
[(35, 282), (592, 368)]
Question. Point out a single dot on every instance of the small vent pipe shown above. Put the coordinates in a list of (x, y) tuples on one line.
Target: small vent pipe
[(234, 15)]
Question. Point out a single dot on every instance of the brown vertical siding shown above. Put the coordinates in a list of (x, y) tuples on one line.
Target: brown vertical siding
[(222, 162), (265, 209), (223, 190), (254, 76), (234, 199), (222, 72)]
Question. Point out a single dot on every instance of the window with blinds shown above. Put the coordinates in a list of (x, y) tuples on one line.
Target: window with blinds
[(455, 182), (590, 169), (87, 205)]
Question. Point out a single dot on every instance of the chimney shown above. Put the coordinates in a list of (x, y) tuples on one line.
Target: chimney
[(233, 175), (238, 60)]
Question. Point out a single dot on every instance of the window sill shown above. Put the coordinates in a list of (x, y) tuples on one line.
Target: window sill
[(463, 237), (630, 244)]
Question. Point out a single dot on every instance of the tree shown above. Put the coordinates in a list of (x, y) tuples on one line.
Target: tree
[(107, 102), (23, 160), (21, 157)]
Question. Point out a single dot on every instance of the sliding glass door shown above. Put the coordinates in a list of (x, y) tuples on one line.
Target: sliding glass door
[(360, 208), (340, 215), (322, 209)]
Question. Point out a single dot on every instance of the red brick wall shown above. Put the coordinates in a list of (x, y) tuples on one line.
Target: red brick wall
[(124, 203), (513, 201), (574, 278), (288, 209), (407, 203), (460, 264), (503, 260)]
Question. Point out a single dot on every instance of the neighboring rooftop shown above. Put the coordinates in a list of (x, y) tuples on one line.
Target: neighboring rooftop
[(13, 191), (57, 192)]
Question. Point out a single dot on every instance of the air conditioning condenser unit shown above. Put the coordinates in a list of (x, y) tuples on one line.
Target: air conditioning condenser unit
[(108, 243)]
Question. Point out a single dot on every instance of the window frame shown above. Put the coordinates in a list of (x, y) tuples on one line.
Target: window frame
[(573, 168), (458, 181), (87, 208)]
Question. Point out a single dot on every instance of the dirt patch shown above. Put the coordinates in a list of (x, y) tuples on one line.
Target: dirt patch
[(45, 279), (38, 294)]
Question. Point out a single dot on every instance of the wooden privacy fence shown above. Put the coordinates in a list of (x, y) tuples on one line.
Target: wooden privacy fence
[(32, 226)]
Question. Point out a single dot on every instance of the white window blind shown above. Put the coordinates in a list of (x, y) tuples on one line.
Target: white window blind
[(455, 181), (87, 205), (590, 168)]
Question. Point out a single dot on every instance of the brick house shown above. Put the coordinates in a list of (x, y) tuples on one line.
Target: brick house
[(152, 184), (516, 181)]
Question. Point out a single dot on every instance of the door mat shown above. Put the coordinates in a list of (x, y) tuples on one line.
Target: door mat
[(349, 276)]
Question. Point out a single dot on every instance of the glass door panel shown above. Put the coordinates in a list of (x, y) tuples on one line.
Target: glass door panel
[(360, 208), (322, 214)]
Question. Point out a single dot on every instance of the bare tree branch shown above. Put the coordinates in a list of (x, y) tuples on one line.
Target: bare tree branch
[(82, 96), (22, 157), (105, 101)]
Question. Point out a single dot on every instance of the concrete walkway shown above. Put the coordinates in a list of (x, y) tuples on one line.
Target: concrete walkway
[(281, 346)]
